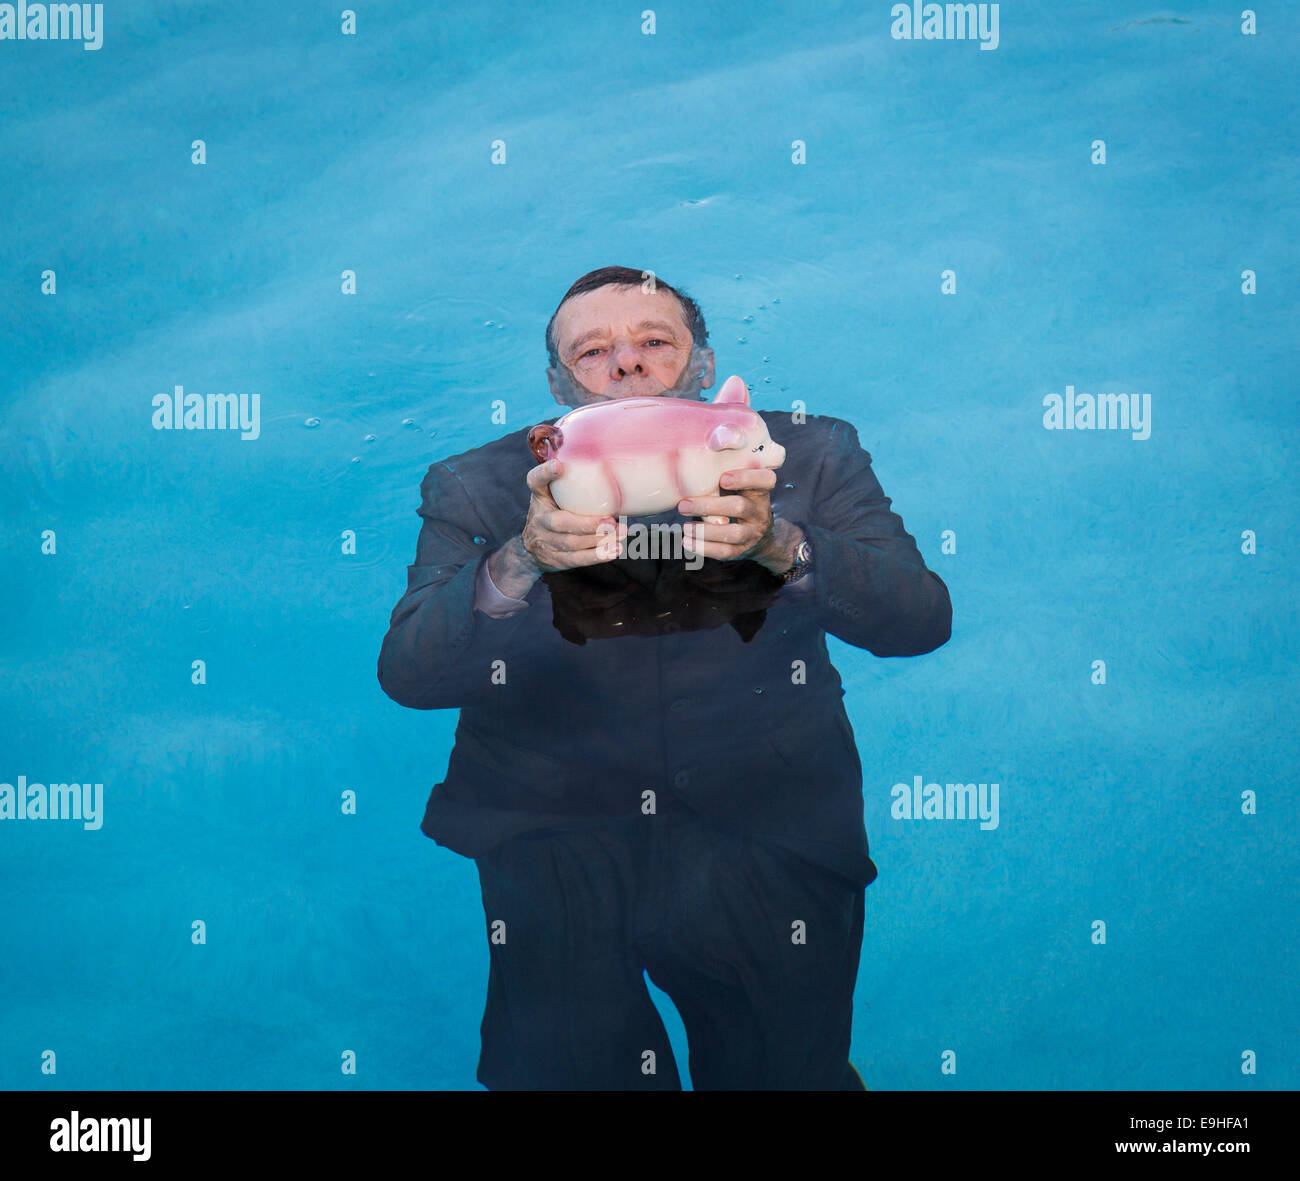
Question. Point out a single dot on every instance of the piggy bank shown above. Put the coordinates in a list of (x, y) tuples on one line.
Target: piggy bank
[(640, 456)]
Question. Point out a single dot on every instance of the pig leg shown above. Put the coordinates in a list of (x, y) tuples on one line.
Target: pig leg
[(587, 487), (693, 475), (615, 488)]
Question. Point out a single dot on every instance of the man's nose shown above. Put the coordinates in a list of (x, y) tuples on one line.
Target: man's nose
[(625, 359)]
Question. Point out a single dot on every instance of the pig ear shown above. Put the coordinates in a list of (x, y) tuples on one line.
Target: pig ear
[(733, 389), (725, 437)]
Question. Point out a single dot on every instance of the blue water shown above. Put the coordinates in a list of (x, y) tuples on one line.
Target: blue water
[(328, 932)]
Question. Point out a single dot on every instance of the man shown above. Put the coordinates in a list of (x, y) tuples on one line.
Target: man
[(686, 803)]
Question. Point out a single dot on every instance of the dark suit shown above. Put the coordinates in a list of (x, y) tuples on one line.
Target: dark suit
[(582, 731), (732, 716)]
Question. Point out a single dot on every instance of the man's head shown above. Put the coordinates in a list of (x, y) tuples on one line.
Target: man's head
[(619, 334)]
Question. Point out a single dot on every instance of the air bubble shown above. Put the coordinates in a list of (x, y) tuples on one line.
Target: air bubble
[(312, 422)]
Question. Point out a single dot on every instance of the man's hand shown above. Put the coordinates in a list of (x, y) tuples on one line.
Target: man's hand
[(754, 533), (552, 538)]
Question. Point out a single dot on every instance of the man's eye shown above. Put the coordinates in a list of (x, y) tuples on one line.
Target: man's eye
[(655, 342), (590, 353)]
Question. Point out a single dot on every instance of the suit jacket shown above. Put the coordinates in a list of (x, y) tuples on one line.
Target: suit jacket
[(749, 732)]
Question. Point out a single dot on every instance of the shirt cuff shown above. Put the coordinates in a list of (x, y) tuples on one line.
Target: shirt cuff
[(492, 602), (800, 585)]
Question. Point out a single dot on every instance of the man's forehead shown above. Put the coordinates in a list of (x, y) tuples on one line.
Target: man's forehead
[(615, 307)]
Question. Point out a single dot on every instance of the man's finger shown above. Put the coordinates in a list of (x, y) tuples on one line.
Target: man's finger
[(574, 540), (749, 477), (540, 477), (563, 521), (720, 506), (567, 550), (743, 535)]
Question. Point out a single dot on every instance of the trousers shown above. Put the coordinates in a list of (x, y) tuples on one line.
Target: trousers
[(757, 948)]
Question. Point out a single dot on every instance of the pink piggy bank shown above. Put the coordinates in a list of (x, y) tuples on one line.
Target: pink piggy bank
[(640, 456)]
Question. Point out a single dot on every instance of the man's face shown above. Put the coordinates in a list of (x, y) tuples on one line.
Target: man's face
[(620, 342)]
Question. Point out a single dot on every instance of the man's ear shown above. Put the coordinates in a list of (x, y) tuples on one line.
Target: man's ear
[(707, 376), (559, 385)]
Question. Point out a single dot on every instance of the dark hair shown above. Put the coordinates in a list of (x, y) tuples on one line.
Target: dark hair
[(627, 277)]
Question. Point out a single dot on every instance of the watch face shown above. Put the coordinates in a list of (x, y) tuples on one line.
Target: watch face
[(803, 553)]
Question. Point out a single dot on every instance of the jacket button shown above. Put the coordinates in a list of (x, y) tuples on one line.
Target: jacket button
[(682, 778)]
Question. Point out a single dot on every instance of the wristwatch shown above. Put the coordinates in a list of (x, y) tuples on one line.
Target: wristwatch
[(802, 562)]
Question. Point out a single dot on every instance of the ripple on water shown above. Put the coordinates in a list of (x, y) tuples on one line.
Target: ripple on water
[(459, 343), (374, 548), (320, 450)]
